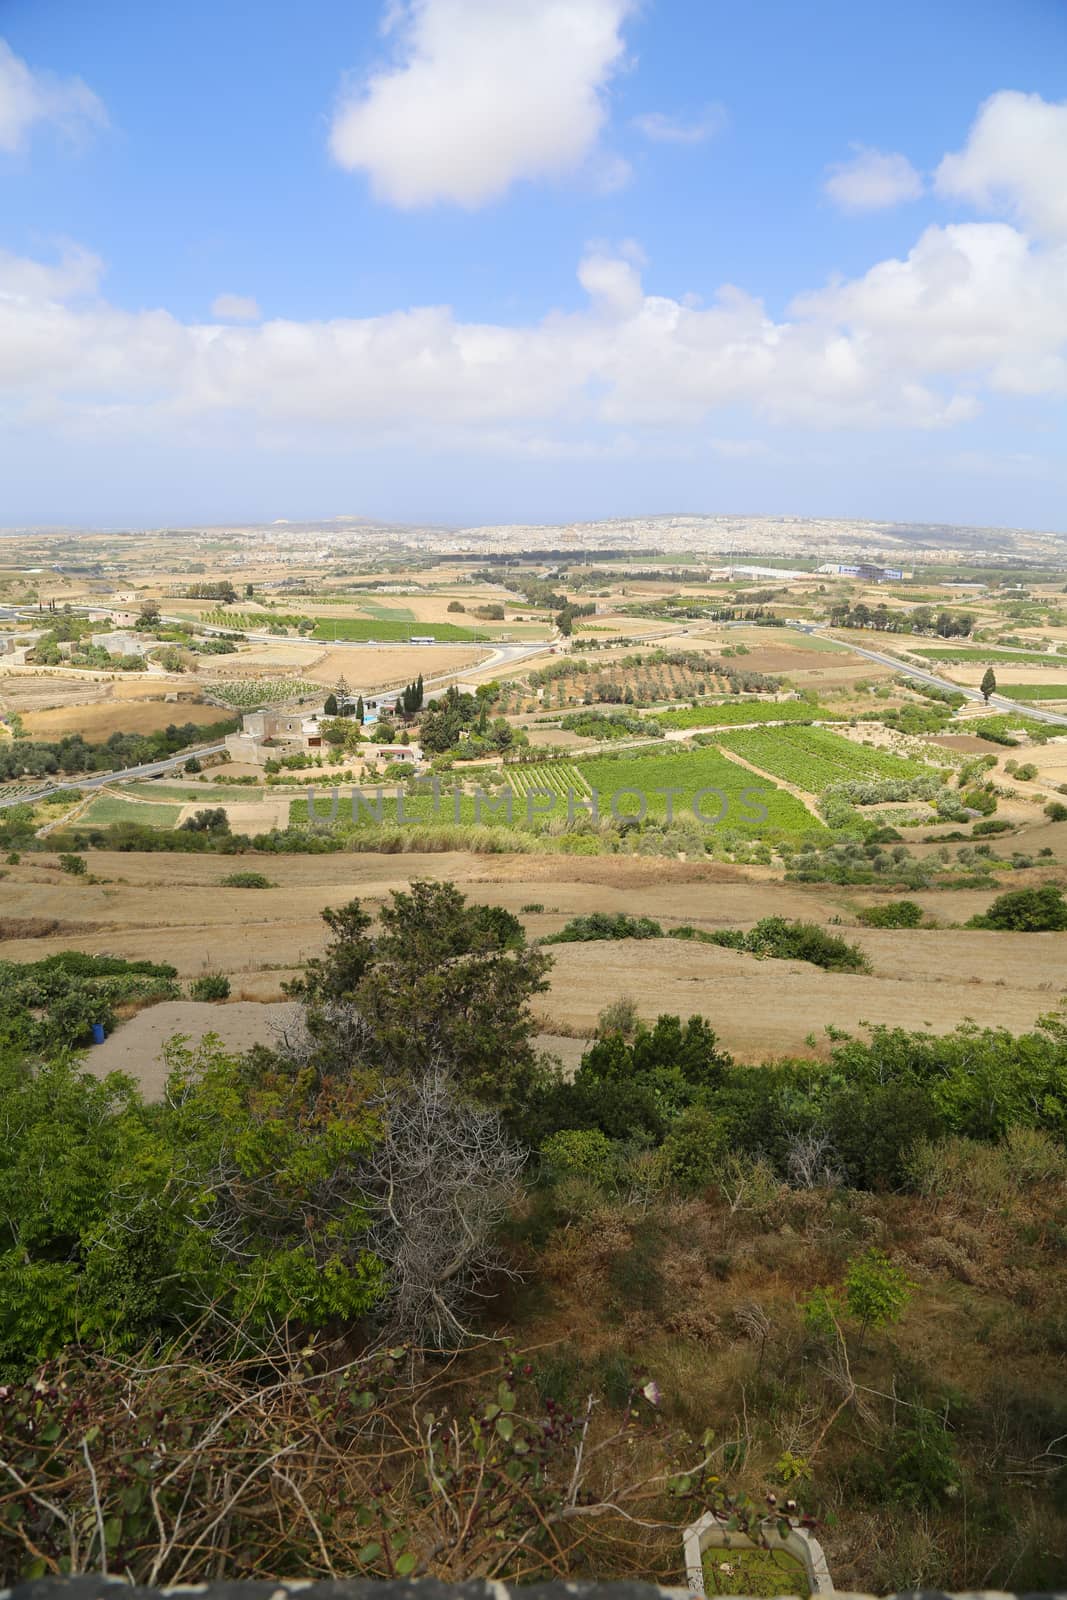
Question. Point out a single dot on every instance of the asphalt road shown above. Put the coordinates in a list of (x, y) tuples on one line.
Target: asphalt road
[(98, 780), (998, 701)]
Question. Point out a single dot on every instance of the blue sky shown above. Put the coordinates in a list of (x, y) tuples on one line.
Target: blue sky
[(510, 260)]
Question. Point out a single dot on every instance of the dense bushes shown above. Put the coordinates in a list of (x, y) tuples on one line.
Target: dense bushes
[(52, 1004), (1041, 910), (605, 925), (896, 914), (791, 941), (673, 1089), (773, 936)]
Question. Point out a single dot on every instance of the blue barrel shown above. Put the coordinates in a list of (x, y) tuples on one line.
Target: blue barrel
[(98, 1033)]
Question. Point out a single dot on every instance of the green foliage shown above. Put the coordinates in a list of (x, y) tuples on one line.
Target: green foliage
[(73, 864), (734, 713), (586, 1152), (876, 1291), (1041, 910), (823, 1311), (246, 880), (605, 925), (778, 938), (51, 1005), (595, 725), (1056, 811), (212, 819), (815, 759), (441, 977), (924, 1470), (210, 986), (894, 914), (120, 1221)]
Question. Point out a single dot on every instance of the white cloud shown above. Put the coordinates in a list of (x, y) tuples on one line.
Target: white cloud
[(1015, 159), (972, 310), (29, 99), (481, 95), (873, 180), (21, 279), (664, 129), (916, 342), (235, 308)]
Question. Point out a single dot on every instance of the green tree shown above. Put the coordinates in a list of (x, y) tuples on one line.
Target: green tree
[(876, 1291), (329, 708), (441, 981), (989, 684)]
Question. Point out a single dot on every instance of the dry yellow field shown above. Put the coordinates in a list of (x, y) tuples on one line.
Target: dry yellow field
[(172, 908), (383, 667), (98, 721)]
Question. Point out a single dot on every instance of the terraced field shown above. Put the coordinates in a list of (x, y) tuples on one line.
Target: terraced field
[(813, 759)]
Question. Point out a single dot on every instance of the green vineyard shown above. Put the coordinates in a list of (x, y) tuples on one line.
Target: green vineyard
[(813, 758)]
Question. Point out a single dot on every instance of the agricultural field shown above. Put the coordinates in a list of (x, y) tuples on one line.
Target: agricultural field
[(96, 723), (734, 713), (388, 632), (246, 694), (669, 783), (617, 678), (1033, 691), (989, 655), (546, 777), (684, 773), (107, 810), (813, 759)]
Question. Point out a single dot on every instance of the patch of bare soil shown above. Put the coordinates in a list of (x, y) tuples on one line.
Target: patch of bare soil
[(138, 1046), (969, 743)]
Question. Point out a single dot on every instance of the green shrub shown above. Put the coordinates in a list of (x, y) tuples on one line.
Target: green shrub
[(805, 941), (924, 1470), (898, 914), (210, 986), (993, 825), (605, 925), (1056, 811), (1042, 910), (581, 1152), (74, 864), (876, 1290), (246, 880)]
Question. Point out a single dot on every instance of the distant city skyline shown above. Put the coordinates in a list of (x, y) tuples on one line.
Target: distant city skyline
[(472, 263)]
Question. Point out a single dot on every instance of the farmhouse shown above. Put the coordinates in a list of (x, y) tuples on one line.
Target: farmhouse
[(267, 733), (119, 643)]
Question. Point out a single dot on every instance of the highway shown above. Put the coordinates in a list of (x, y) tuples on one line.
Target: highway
[(997, 702)]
